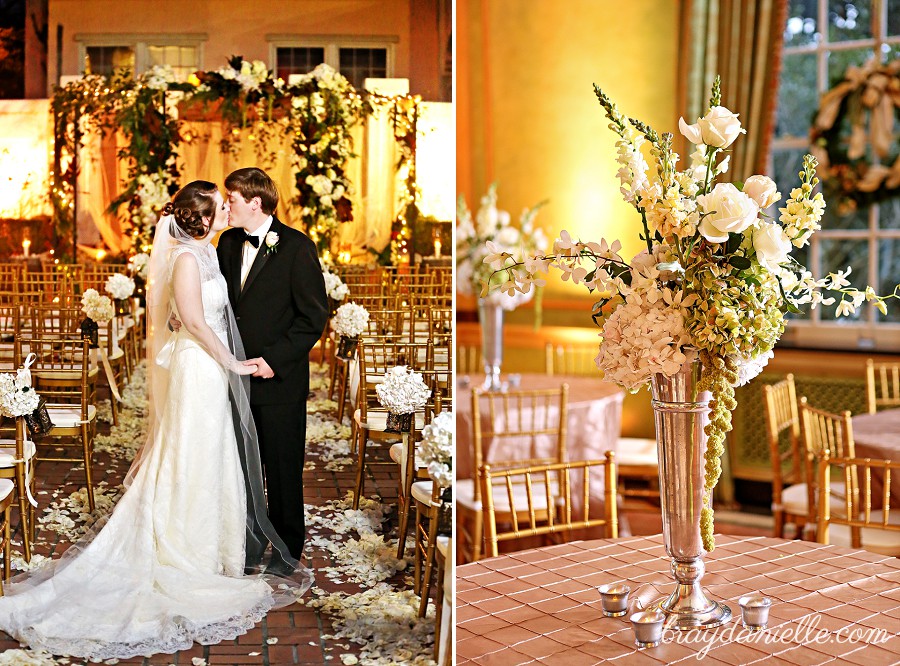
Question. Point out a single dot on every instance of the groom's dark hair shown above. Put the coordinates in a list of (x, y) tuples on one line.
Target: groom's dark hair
[(253, 182)]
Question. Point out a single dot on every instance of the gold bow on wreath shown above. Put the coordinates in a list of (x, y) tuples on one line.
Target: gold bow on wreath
[(864, 166)]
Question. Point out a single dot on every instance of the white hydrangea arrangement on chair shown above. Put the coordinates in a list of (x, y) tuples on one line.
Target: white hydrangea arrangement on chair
[(17, 398), (437, 448), (139, 264), (402, 392), (98, 309), (120, 287), (715, 279), (335, 288), (349, 322)]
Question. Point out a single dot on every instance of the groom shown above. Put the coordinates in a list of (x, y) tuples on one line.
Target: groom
[(277, 292)]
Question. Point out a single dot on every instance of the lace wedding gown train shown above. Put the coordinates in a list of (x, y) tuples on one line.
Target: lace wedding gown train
[(167, 567)]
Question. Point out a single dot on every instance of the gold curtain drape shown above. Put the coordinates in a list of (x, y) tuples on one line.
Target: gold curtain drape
[(741, 42)]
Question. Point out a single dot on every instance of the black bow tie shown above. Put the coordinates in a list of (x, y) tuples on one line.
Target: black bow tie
[(250, 238)]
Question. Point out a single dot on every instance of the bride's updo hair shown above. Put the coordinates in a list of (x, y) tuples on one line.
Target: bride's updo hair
[(190, 205)]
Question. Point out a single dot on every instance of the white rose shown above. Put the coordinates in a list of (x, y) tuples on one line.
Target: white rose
[(718, 128), (762, 190), (771, 244), (729, 211)]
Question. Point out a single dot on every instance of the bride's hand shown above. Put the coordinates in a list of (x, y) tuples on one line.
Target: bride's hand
[(243, 368)]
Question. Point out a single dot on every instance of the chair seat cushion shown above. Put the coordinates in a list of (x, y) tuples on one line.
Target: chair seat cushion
[(638, 452), (398, 456), (8, 451), (6, 488), (443, 544), (874, 540), (421, 491), (69, 417), (794, 500)]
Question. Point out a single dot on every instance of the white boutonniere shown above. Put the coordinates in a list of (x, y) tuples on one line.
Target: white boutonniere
[(272, 240)]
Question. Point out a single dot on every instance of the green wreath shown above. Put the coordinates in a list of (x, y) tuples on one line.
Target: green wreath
[(853, 136)]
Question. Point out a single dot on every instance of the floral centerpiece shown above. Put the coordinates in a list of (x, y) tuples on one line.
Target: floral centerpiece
[(98, 310), (349, 322), (402, 392), (708, 295), (491, 233), (437, 448)]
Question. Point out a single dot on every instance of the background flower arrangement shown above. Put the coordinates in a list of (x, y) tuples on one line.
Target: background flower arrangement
[(437, 448), (716, 277), (335, 288), (490, 233), (119, 286)]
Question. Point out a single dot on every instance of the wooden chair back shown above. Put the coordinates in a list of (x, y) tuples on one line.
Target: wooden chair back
[(571, 360), (882, 385), (538, 500)]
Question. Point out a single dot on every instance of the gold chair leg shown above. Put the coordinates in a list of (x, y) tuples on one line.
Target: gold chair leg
[(425, 587), (360, 468), (438, 612), (7, 536), (417, 576), (23, 523), (88, 472), (333, 377), (342, 392), (403, 506)]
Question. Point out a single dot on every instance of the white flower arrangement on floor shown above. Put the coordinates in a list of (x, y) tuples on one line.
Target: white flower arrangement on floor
[(491, 232), (403, 391), (335, 288), (17, 398), (138, 265), (119, 286), (97, 307), (350, 320), (437, 448)]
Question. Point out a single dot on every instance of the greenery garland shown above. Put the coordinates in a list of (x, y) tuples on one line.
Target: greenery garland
[(852, 136), (317, 113)]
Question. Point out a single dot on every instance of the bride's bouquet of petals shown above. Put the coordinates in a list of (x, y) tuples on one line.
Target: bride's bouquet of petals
[(119, 286), (335, 288), (350, 320), (97, 307), (17, 398), (403, 391), (716, 277), (437, 448), (490, 232)]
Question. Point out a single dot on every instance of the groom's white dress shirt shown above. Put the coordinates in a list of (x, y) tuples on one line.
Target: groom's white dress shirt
[(250, 252)]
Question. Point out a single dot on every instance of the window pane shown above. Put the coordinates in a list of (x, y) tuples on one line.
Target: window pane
[(844, 219), (106, 60), (849, 19), (797, 98), (786, 164), (182, 59), (893, 17), (297, 60), (800, 29), (889, 275), (359, 64), (837, 255), (839, 61), (889, 216)]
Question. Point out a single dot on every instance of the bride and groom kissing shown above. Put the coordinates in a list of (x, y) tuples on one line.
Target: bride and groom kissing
[(229, 331)]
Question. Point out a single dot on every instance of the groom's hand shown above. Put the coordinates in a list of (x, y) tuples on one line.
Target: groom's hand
[(174, 323), (263, 370)]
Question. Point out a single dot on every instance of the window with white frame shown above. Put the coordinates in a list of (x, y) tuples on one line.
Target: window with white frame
[(355, 57), (134, 54), (822, 38)]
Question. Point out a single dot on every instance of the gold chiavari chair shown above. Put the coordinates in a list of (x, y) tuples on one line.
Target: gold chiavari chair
[(43, 287), (571, 360), (882, 385), (537, 500), (821, 432), (10, 275), (10, 327), (469, 360), (71, 274), (858, 525), (63, 376), (94, 276), (17, 462), (531, 422), (789, 489), (443, 603), (440, 324), (116, 359), (54, 319), (6, 499), (433, 516), (376, 357)]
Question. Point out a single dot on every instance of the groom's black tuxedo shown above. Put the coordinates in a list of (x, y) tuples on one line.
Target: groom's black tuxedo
[(281, 312)]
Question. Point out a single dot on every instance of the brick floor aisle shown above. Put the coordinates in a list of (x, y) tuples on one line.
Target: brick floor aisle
[(361, 608)]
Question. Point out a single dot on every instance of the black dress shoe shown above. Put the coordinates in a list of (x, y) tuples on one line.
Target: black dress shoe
[(279, 568)]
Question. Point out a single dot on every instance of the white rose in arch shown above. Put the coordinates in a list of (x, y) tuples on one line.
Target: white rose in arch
[(762, 190), (771, 244), (718, 128), (728, 210)]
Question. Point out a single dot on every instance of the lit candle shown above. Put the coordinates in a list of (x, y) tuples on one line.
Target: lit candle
[(26, 246), (437, 247), (648, 627), (614, 599)]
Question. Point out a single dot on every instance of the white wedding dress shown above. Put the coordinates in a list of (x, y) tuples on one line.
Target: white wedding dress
[(167, 568)]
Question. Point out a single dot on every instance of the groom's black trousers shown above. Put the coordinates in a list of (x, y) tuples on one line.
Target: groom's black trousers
[(283, 426)]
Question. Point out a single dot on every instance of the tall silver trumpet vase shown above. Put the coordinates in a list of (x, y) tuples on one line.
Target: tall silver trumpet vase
[(681, 413), (490, 316)]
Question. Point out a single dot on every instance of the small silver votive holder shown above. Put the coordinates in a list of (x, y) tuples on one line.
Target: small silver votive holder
[(615, 599), (648, 628), (755, 611)]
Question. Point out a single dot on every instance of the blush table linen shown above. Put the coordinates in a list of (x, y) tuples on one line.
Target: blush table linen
[(877, 436), (831, 605)]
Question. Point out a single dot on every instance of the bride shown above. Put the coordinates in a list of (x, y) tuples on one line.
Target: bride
[(167, 567)]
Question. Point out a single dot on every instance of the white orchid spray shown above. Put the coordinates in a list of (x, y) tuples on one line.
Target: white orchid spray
[(716, 276)]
